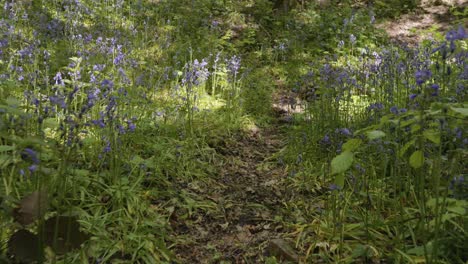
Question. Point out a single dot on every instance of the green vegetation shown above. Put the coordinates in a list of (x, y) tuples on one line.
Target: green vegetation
[(200, 131)]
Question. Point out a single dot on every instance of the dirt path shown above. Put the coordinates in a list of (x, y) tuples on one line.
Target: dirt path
[(243, 222), (432, 17)]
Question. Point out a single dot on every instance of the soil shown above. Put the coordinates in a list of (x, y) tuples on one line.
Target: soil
[(246, 200), (432, 17)]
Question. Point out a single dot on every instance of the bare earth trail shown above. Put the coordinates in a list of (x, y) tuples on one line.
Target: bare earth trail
[(246, 203), (430, 17), (243, 213)]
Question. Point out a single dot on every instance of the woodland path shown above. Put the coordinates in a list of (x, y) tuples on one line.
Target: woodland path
[(245, 215), (244, 224), (432, 17)]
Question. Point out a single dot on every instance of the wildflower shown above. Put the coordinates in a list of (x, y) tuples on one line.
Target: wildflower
[(107, 148), (435, 88), (353, 39), (58, 100), (412, 96), (333, 187), (394, 110), (58, 79), (376, 107), (234, 65), (422, 76), (341, 44), (32, 168), (31, 154)]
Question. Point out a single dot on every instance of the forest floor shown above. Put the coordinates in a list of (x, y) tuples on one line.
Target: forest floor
[(432, 17), (245, 204), (244, 224)]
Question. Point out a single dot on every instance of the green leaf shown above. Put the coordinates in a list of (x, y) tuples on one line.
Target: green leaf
[(432, 135), (51, 123), (462, 111), (352, 144), (5, 148), (342, 162), (375, 134), (417, 159)]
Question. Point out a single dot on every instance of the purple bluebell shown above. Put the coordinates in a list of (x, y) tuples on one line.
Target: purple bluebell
[(233, 65), (58, 79), (31, 154), (422, 76), (352, 39), (435, 89)]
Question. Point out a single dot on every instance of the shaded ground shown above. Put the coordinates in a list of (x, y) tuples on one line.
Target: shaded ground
[(243, 209), (432, 17), (246, 204)]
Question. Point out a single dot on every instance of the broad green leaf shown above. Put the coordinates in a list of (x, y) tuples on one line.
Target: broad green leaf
[(352, 144), (51, 123), (339, 180), (5, 148), (415, 128), (417, 159), (342, 162), (462, 111), (375, 134), (432, 135)]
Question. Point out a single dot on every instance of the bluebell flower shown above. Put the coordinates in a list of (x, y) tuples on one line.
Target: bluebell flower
[(107, 148), (234, 64), (394, 110), (58, 79), (412, 96), (32, 168), (422, 76), (435, 88), (352, 38), (31, 154)]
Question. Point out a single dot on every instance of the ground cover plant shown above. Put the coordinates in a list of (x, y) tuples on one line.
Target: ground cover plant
[(229, 132)]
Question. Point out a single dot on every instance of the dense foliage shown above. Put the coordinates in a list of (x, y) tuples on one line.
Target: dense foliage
[(110, 109)]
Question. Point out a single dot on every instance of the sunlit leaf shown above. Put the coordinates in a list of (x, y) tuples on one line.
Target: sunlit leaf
[(417, 159), (462, 111), (375, 134), (352, 144), (432, 135), (342, 162)]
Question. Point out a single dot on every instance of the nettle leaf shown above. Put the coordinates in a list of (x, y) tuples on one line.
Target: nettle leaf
[(352, 144), (342, 162), (417, 159), (375, 134), (432, 135)]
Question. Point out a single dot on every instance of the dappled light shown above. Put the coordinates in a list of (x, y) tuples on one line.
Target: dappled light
[(221, 131)]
